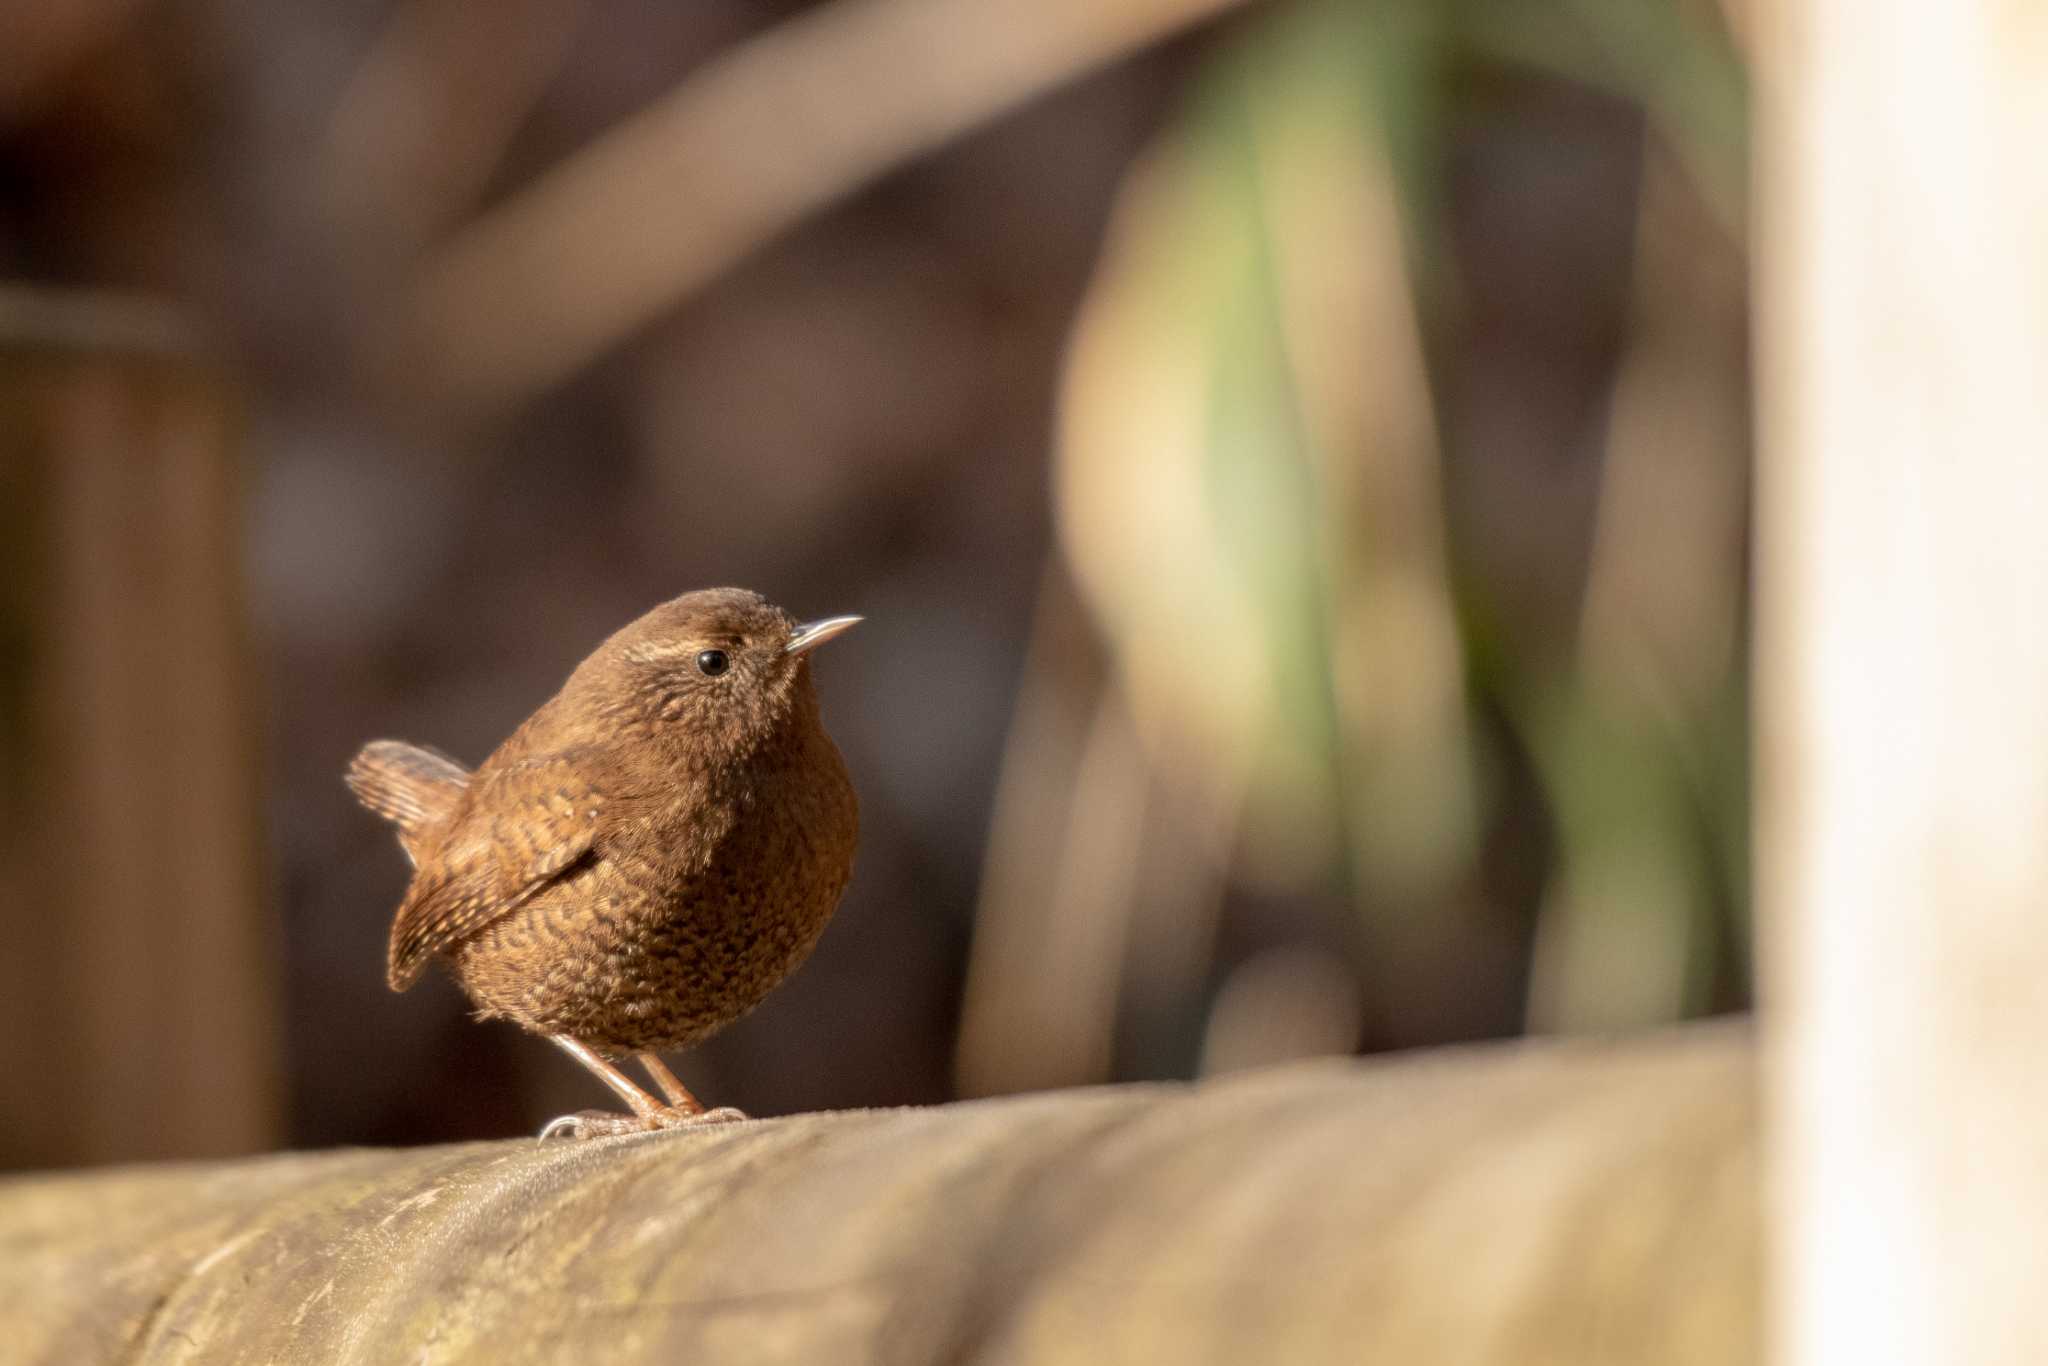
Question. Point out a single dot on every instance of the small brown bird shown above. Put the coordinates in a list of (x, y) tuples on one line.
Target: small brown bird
[(645, 858)]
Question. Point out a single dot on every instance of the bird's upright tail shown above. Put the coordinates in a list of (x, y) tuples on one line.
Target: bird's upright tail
[(411, 786)]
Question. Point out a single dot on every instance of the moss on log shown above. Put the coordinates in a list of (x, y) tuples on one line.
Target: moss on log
[(1562, 1202)]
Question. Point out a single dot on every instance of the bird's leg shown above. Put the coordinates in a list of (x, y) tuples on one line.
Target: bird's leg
[(671, 1087), (648, 1113), (642, 1103), (679, 1097), (592, 1123)]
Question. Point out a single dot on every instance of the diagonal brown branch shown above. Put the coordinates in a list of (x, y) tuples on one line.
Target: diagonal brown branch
[(774, 130)]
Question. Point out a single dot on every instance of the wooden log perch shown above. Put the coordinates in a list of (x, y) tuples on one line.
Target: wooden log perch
[(1552, 1202)]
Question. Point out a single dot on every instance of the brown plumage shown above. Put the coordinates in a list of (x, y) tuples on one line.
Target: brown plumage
[(646, 857)]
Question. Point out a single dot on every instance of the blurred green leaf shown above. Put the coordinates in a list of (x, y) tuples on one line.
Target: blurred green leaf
[(1248, 480)]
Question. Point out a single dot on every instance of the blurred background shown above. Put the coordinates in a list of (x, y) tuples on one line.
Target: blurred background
[(1293, 459)]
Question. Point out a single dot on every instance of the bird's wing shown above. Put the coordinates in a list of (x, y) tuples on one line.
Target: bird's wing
[(524, 825)]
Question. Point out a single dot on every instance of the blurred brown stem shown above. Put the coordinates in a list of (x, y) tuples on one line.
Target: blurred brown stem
[(42, 320), (429, 113), (765, 134), (42, 42)]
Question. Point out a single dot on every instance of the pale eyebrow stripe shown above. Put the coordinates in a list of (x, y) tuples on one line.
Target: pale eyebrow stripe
[(650, 651)]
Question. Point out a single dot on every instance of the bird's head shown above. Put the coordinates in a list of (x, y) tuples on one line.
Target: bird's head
[(722, 671)]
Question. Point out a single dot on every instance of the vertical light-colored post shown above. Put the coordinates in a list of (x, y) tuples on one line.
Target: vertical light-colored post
[(1903, 675)]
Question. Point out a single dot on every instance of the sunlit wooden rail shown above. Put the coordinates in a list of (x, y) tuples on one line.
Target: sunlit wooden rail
[(1576, 1202)]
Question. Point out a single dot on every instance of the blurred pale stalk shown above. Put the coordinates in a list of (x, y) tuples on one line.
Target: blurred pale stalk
[(1084, 849), (766, 133), (1281, 1005), (427, 117), (1050, 942), (1903, 676), (1006, 998), (1246, 370), (1618, 936), (1361, 393), (1740, 18), (1134, 509), (1621, 939)]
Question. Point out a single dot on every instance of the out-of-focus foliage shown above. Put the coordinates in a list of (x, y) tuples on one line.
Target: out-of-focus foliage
[(1255, 502), (1248, 472)]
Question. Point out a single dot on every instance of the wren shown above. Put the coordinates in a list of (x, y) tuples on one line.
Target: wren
[(645, 858)]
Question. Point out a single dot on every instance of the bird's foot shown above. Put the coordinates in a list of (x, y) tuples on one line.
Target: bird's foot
[(676, 1117), (601, 1124), (592, 1124)]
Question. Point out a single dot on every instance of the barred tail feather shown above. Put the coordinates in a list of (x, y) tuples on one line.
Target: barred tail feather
[(411, 786)]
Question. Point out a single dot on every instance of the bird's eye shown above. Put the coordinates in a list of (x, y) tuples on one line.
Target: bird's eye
[(712, 663)]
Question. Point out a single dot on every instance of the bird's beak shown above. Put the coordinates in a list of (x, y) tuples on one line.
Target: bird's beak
[(815, 633)]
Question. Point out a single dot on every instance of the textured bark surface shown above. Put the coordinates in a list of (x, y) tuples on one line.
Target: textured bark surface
[(1571, 1203)]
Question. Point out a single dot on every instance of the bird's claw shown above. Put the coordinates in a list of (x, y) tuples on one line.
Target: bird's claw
[(591, 1124), (600, 1124), (724, 1114)]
